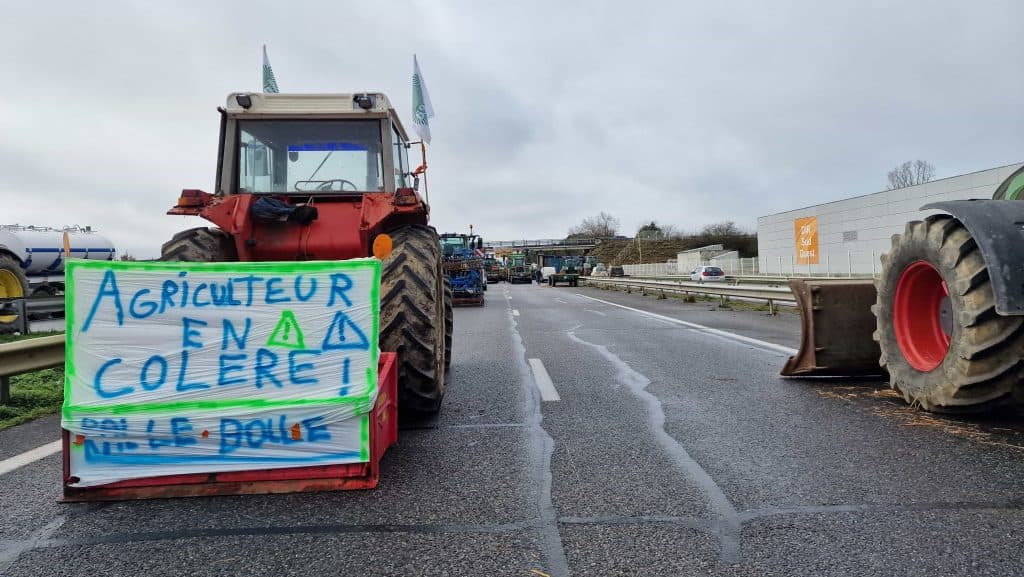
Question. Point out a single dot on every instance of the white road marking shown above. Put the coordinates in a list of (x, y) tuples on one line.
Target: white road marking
[(543, 380), (596, 312), (560, 301), (717, 332), (19, 461), (515, 312)]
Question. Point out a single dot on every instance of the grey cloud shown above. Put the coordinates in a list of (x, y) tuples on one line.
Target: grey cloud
[(547, 112)]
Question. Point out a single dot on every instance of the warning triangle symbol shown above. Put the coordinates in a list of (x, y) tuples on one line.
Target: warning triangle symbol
[(287, 333), (344, 334)]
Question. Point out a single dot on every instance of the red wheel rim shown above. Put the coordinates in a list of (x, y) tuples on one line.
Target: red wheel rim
[(922, 316)]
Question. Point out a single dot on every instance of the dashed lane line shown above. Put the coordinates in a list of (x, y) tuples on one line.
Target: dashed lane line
[(543, 380), (28, 457)]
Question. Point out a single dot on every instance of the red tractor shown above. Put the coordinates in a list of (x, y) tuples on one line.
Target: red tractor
[(327, 177)]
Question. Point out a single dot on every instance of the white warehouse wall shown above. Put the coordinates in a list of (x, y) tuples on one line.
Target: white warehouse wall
[(872, 219)]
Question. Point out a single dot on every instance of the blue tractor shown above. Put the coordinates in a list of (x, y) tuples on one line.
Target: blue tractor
[(464, 267)]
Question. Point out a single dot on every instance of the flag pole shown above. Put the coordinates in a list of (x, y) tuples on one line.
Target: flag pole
[(426, 189)]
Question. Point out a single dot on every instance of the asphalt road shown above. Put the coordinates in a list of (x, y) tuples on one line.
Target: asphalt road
[(672, 450)]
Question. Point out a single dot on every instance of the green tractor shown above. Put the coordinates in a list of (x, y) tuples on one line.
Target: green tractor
[(493, 270), (567, 270), (519, 269)]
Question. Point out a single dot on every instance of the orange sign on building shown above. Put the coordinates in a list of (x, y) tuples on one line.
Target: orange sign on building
[(806, 240)]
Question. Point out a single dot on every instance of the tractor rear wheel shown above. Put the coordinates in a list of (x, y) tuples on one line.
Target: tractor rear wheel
[(941, 340), (412, 316), (201, 244), (449, 323), (13, 285)]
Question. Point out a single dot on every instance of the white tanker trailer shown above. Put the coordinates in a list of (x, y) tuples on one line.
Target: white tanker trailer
[(32, 258)]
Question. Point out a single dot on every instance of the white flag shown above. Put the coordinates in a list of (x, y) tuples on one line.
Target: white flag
[(422, 111)]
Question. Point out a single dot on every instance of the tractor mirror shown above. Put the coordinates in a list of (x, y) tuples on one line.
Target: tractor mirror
[(416, 182)]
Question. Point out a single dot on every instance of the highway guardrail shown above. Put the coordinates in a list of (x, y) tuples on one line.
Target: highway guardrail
[(27, 356), (771, 295), (33, 306)]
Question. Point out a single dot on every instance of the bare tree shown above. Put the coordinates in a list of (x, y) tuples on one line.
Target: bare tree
[(722, 229), (603, 225), (655, 231), (910, 173)]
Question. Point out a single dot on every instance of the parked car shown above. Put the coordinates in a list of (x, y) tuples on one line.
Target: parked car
[(704, 274), (616, 271)]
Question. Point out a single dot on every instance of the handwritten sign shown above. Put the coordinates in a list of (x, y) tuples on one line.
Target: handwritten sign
[(806, 240), (177, 368)]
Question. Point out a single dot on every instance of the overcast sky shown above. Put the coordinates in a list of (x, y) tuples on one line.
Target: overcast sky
[(547, 112)]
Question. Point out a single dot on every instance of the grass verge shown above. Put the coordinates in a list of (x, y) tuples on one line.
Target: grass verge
[(33, 395)]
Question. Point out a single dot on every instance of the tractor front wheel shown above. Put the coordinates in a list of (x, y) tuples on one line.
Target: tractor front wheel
[(201, 244), (412, 316), (941, 340)]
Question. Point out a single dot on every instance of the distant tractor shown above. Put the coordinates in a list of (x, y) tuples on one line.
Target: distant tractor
[(327, 177), (493, 269), (464, 267), (518, 269), (567, 269)]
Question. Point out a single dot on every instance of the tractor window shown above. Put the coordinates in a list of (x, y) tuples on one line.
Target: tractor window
[(401, 160), (317, 156)]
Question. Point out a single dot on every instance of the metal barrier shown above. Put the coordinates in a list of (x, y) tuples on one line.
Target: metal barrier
[(25, 308), (27, 356), (771, 295)]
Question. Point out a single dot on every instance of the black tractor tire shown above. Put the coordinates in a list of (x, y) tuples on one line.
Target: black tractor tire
[(449, 322), (11, 265), (201, 244), (18, 287), (984, 364), (412, 317)]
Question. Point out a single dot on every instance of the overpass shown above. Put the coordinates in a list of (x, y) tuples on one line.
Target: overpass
[(544, 243)]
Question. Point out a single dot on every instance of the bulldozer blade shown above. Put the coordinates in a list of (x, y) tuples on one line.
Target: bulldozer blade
[(836, 327)]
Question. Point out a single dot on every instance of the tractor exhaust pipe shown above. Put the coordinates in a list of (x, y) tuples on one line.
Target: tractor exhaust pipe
[(836, 329)]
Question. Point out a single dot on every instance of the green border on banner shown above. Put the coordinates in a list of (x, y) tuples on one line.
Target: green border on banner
[(283, 268)]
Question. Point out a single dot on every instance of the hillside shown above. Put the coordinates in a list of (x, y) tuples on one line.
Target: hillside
[(616, 252)]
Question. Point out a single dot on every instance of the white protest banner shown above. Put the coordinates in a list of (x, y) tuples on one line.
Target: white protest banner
[(177, 368)]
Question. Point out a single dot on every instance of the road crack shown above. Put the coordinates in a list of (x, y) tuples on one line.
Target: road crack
[(729, 525), (541, 448)]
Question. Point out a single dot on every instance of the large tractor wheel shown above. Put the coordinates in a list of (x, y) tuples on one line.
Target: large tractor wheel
[(449, 322), (200, 245), (944, 345), (412, 316), (13, 285)]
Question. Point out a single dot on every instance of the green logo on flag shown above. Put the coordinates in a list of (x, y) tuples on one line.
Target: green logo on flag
[(269, 81)]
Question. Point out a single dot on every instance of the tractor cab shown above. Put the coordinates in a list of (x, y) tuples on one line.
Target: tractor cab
[(309, 176), (312, 144), (461, 245)]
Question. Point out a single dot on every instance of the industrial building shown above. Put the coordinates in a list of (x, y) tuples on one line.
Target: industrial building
[(848, 236)]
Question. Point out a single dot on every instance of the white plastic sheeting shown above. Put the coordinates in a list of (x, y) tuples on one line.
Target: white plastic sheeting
[(177, 368)]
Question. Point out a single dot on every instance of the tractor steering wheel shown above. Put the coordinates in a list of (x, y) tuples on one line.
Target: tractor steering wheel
[(327, 184)]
